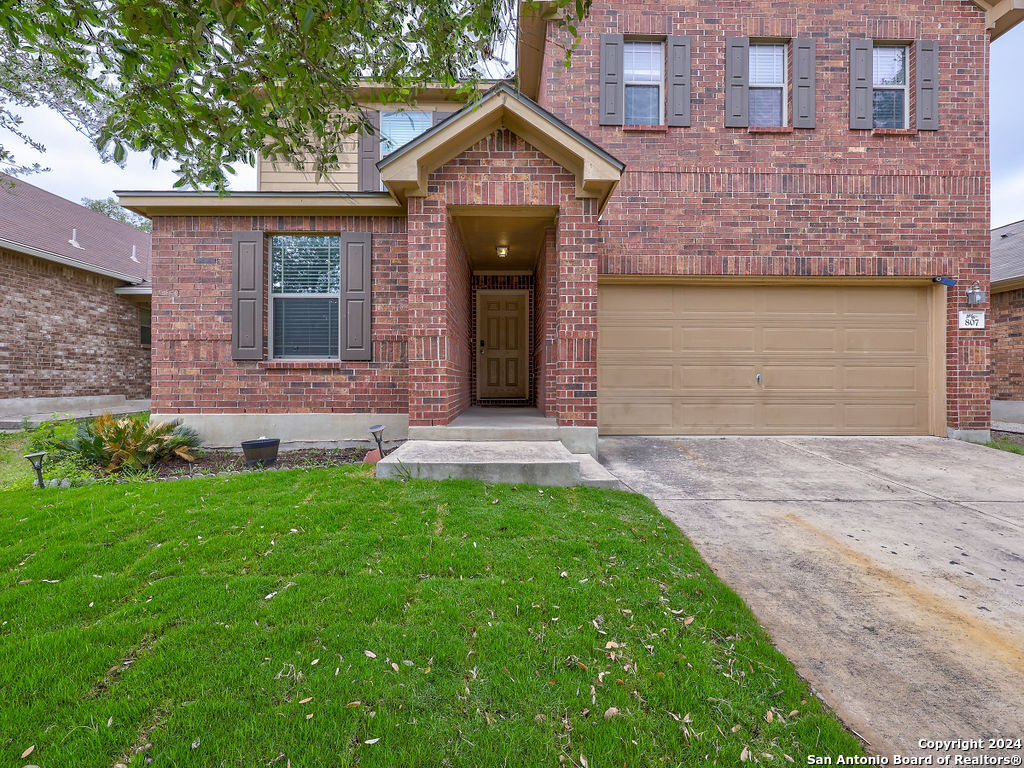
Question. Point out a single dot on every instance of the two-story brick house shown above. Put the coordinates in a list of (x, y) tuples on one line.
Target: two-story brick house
[(723, 218)]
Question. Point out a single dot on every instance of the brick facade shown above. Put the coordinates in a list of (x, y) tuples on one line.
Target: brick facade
[(1008, 345), (67, 334), (828, 201), (704, 200), (192, 367)]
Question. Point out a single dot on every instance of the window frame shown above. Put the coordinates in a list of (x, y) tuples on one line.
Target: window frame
[(271, 295), (876, 45), (782, 87), (626, 82)]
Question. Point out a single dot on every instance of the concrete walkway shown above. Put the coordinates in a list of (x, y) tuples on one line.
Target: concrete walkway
[(890, 571)]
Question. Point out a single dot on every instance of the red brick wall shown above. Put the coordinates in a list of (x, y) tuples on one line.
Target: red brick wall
[(459, 311), (503, 169), (192, 367), (67, 334), (713, 200), (1008, 345), (544, 324)]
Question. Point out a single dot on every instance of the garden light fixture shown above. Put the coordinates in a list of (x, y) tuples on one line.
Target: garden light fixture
[(975, 295), (377, 430), (36, 460)]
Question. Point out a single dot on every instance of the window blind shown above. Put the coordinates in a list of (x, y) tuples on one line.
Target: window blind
[(399, 128)]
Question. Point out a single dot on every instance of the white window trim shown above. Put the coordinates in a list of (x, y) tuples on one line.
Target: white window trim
[(905, 87), (271, 295), (660, 83), (783, 86)]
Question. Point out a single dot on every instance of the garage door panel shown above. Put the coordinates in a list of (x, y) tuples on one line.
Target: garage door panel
[(823, 378), (903, 341), (636, 338), (716, 377), (800, 339), (710, 337), (834, 359)]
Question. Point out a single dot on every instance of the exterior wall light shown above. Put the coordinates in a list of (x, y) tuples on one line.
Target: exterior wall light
[(36, 460), (502, 251), (377, 430), (975, 295)]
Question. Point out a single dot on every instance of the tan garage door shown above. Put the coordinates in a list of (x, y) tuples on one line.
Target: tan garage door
[(832, 360)]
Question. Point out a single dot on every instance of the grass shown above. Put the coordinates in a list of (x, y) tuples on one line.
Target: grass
[(13, 465), (325, 618), (1006, 445)]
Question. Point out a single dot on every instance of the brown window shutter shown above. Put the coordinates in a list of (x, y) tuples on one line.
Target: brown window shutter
[(862, 84), (440, 117), (927, 66), (369, 154), (356, 280), (247, 296), (612, 111), (804, 83), (678, 81), (737, 81)]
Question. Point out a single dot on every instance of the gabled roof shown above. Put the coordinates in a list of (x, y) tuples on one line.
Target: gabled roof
[(38, 223), (1001, 15), (404, 172), (1008, 256)]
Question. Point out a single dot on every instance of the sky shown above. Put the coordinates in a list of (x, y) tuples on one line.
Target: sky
[(78, 172)]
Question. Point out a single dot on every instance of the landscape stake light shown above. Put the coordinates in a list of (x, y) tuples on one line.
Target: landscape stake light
[(975, 295), (36, 460), (377, 430)]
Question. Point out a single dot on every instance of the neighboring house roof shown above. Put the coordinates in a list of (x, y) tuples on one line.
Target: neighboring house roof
[(1008, 256), (38, 223), (404, 171)]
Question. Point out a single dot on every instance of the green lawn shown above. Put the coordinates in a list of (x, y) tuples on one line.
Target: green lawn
[(13, 465), (326, 618)]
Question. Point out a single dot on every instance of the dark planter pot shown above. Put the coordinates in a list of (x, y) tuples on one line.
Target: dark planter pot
[(260, 453)]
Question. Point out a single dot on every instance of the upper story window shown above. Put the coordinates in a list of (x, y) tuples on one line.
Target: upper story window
[(890, 102), (643, 80), (767, 85), (305, 280), (399, 128)]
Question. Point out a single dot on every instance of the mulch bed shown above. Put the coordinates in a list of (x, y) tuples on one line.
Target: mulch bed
[(218, 462)]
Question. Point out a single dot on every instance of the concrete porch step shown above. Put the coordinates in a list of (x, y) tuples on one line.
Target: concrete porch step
[(511, 461)]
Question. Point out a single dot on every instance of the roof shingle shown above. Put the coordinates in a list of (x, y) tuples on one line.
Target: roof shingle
[(1008, 252), (35, 218)]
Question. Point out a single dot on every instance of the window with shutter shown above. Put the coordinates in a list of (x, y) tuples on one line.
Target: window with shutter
[(643, 79), (889, 101), (399, 128)]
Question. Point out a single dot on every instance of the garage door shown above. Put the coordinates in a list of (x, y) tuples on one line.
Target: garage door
[(763, 359)]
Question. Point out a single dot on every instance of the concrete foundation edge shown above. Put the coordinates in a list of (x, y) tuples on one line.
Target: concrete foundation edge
[(16, 406), (970, 435), (227, 430)]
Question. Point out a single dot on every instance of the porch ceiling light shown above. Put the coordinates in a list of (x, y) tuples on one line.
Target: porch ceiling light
[(975, 295), (502, 251), (377, 430), (36, 460)]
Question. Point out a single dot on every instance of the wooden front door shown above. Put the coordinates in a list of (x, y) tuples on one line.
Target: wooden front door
[(503, 347)]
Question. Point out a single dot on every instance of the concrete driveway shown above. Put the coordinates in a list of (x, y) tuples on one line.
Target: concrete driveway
[(889, 570)]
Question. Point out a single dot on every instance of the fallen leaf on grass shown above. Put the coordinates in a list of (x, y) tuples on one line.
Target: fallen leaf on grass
[(306, 700), (688, 621), (309, 716), (370, 654), (735, 728), (314, 662), (195, 744), (769, 716), (611, 712), (353, 704), (372, 741), (28, 751), (110, 721), (394, 666), (745, 755)]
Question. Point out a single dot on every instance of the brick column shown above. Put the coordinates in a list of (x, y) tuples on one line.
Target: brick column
[(968, 358), (575, 393)]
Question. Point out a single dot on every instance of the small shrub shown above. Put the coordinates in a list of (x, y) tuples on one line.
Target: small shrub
[(129, 443), (60, 426)]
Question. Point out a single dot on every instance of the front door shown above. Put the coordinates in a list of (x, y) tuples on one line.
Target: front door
[(503, 349)]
